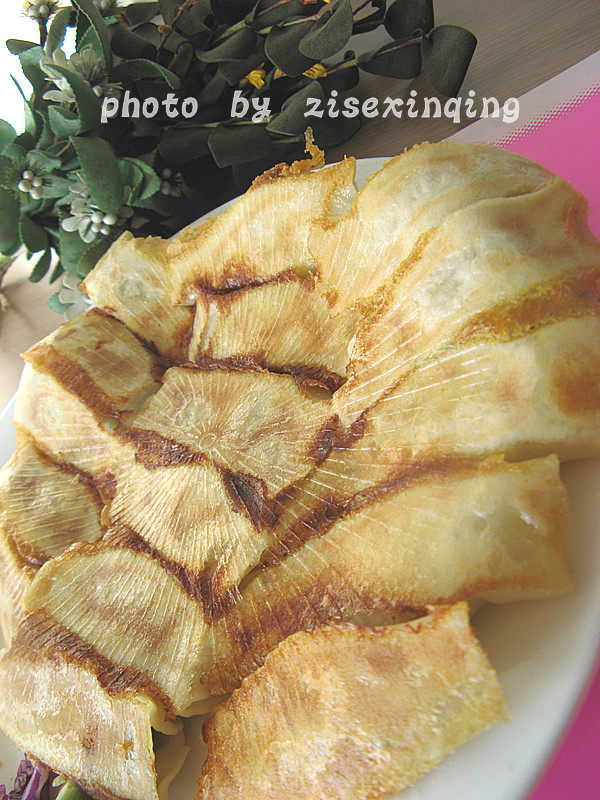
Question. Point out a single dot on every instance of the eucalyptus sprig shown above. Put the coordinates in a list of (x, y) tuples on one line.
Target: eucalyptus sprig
[(70, 184)]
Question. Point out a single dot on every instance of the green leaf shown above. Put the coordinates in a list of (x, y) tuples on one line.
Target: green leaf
[(138, 13), (30, 64), (342, 78), (371, 21), (42, 162), (90, 38), (31, 123), (89, 106), (234, 71), (447, 53), (56, 272), (128, 44), (90, 258), (41, 267), (291, 121), (267, 13), (33, 236), (394, 60), (238, 46), (141, 177), (71, 247), (7, 133), (140, 68), (231, 11), (332, 32), (169, 9), (239, 144), (63, 122), (101, 172), (9, 173), (180, 144), (406, 18), (9, 222), (282, 45), (18, 46), (181, 61), (89, 9), (58, 29)]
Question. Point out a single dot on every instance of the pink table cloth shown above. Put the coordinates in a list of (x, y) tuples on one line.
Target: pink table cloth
[(567, 141)]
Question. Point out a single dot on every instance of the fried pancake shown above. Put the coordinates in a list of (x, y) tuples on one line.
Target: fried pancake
[(262, 428), (57, 711), (358, 251), (264, 233), (45, 507), (283, 326), (130, 282), (125, 615), (529, 257), (191, 516), (352, 713), (525, 397), (435, 532)]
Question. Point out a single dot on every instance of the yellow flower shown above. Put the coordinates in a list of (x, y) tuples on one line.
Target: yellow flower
[(279, 73), (316, 71), (257, 77)]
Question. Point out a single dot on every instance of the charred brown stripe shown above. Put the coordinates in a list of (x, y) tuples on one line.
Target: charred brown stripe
[(73, 378), (330, 510), (153, 450), (304, 373), (576, 295), (249, 494), (39, 634), (203, 587), (237, 279)]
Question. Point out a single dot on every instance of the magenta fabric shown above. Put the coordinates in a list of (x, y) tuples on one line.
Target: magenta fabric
[(567, 141)]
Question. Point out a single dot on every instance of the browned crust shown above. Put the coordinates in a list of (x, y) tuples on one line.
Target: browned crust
[(40, 634), (331, 509), (576, 295), (310, 374)]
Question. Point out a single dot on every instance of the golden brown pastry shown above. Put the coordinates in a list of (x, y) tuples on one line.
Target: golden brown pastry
[(282, 325), (266, 232), (352, 713), (436, 532), (130, 282), (356, 252)]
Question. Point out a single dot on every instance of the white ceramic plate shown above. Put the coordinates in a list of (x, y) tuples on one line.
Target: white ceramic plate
[(544, 653)]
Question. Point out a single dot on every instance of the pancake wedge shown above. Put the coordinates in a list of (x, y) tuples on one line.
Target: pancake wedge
[(97, 359), (130, 282), (436, 532), (527, 257), (45, 507), (259, 426), (122, 614), (352, 713), (57, 711), (534, 395), (191, 516), (264, 233), (283, 326), (15, 576), (413, 193)]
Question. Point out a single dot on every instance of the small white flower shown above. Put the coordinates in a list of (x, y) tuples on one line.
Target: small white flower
[(87, 219), (86, 65), (32, 185), (40, 10), (171, 185)]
